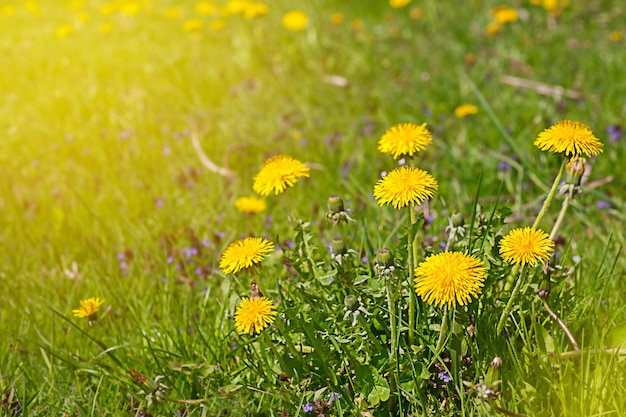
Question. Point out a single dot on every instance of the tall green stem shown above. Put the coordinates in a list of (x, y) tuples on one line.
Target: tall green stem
[(509, 305), (551, 194), (443, 331), (559, 219), (411, 267), (393, 320)]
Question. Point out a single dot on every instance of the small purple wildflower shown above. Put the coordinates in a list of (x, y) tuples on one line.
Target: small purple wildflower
[(445, 376), (121, 256), (603, 205), (333, 396), (170, 259), (503, 166), (206, 242), (308, 407), (199, 270), (614, 132), (166, 150), (364, 258)]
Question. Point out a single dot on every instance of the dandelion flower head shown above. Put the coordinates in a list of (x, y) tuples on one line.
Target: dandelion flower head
[(504, 14), (254, 315), (295, 20), (88, 308), (405, 139), (396, 4), (244, 253), (526, 246), (465, 110), (250, 205), (404, 186), (449, 278), (570, 138), (277, 174)]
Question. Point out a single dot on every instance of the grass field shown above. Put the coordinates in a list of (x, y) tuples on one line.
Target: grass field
[(109, 110)]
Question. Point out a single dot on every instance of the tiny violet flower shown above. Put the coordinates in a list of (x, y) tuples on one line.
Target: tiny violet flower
[(603, 205), (445, 377), (333, 396), (308, 407)]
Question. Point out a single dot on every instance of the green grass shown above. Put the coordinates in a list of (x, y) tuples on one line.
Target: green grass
[(99, 169)]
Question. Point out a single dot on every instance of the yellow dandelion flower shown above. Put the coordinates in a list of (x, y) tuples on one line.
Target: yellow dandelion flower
[(277, 174), (173, 12), (404, 186), (106, 27), (336, 18), (63, 31), (616, 36), (254, 315), (570, 138), (192, 25), (526, 246), (250, 205), (107, 9), (295, 20), (205, 8), (504, 14), (217, 25), (357, 24), (465, 110), (396, 4), (8, 10), (242, 254), (449, 278), (493, 28), (254, 10), (130, 9), (88, 308), (405, 139), (32, 7)]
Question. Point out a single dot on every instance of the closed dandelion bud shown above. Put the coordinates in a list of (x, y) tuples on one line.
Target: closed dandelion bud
[(338, 247), (351, 302), (493, 373), (384, 257), (335, 204), (574, 170), (457, 219)]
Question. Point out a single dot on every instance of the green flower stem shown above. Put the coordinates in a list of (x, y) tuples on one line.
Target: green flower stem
[(509, 305), (280, 325), (551, 194), (411, 267), (559, 219), (393, 320), (443, 331)]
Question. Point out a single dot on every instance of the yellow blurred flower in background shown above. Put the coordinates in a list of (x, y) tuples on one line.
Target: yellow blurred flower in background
[(255, 9), (337, 18), (295, 20), (396, 4), (217, 25), (193, 25), (88, 308), (250, 205), (173, 12), (106, 27), (63, 31), (465, 110), (504, 14), (205, 8)]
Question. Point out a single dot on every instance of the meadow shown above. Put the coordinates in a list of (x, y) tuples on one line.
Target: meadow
[(130, 131)]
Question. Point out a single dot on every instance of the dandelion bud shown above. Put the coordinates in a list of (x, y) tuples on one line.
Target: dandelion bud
[(338, 247), (457, 219), (384, 257), (335, 204), (351, 302), (492, 379), (575, 169)]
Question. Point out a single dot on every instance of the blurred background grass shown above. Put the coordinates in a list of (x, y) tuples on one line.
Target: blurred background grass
[(100, 100)]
